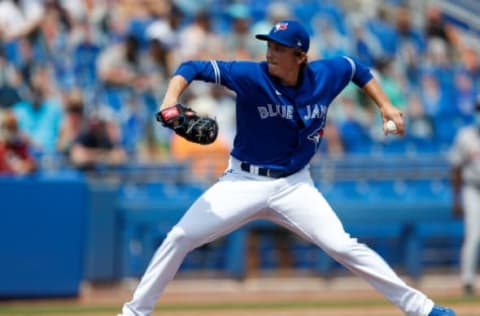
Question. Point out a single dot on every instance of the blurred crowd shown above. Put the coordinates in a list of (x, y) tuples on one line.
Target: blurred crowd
[(80, 80)]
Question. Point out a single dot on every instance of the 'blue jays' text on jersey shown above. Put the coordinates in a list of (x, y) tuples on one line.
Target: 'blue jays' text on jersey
[(278, 126)]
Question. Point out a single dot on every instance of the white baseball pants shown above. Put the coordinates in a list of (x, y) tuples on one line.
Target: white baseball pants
[(293, 202), (471, 203)]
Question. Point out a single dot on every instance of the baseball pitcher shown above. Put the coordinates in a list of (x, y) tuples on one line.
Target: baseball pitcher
[(281, 107)]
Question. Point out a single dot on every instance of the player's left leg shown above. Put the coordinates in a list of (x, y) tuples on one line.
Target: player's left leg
[(302, 209), (470, 248)]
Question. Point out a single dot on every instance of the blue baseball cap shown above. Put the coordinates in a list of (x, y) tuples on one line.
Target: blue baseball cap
[(288, 33)]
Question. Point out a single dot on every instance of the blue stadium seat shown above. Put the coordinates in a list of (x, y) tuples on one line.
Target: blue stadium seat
[(303, 254), (446, 128), (395, 146), (423, 145), (388, 190), (207, 257), (352, 189), (84, 64), (428, 190), (433, 243), (355, 138), (386, 239)]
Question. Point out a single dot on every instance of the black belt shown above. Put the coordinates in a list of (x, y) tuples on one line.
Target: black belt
[(272, 173)]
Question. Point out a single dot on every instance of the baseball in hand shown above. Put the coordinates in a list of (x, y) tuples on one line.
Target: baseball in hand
[(390, 127)]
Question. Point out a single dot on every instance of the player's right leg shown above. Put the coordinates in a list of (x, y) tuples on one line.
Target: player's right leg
[(471, 202), (227, 205)]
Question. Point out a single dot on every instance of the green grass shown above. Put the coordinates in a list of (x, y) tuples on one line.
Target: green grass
[(72, 309)]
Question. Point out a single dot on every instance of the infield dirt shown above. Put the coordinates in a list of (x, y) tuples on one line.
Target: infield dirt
[(265, 296)]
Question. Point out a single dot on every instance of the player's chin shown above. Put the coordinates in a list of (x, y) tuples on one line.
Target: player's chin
[(273, 69)]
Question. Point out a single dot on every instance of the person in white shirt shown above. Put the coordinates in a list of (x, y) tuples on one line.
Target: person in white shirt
[(464, 157), (19, 18)]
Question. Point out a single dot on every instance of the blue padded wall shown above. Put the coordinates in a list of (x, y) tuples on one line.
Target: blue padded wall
[(41, 236)]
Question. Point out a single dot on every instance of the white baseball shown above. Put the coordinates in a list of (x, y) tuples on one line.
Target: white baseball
[(390, 127)]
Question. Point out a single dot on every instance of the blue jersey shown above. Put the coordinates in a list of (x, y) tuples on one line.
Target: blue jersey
[(279, 127)]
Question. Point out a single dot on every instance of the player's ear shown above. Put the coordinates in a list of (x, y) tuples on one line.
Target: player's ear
[(301, 56)]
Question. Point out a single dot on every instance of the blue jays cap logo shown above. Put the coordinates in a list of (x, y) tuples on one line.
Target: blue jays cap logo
[(289, 33), (281, 26)]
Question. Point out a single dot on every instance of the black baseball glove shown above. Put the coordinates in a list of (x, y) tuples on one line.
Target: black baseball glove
[(187, 123)]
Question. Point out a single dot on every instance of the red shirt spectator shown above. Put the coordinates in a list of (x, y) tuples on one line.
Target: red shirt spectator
[(15, 157)]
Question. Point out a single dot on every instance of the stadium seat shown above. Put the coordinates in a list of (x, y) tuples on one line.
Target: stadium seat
[(387, 190), (423, 145), (433, 243), (395, 146)]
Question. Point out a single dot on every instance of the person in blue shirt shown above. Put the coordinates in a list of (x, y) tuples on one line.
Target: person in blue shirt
[(281, 108)]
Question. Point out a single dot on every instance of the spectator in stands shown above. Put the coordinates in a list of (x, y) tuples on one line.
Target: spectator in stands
[(165, 29), (193, 8), (354, 135), (435, 26), (382, 29), (55, 10), (465, 93), (365, 45), (198, 39), (98, 144), (410, 43), (155, 68), (275, 12), (437, 29), (26, 62), (72, 123), (15, 157), (465, 159), (406, 33), (238, 42), (119, 70), (85, 47), (115, 24), (330, 42), (8, 94), (438, 62), (420, 126), (471, 65), (206, 163), (332, 145), (88, 30), (391, 81), (133, 120), (118, 64), (85, 29), (158, 63), (163, 36), (56, 28), (22, 21), (20, 18), (39, 117), (432, 96)]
